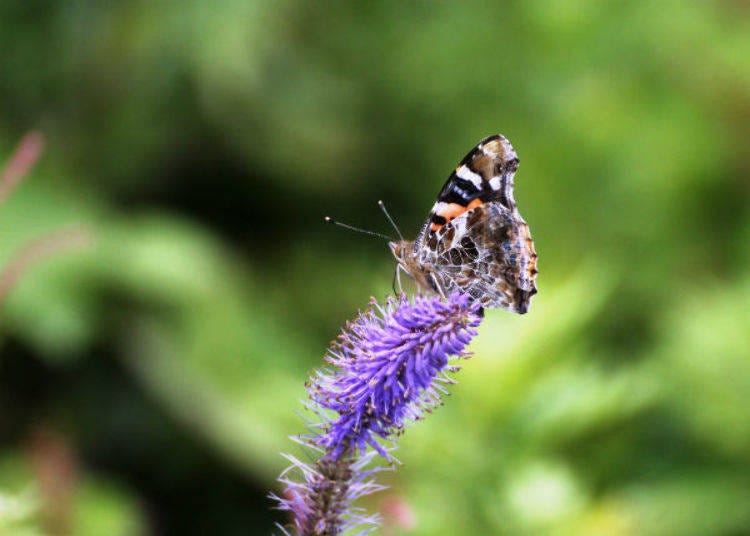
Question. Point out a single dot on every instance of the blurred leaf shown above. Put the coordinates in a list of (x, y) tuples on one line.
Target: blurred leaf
[(214, 355), (104, 508), (98, 507), (706, 355), (18, 513), (696, 504)]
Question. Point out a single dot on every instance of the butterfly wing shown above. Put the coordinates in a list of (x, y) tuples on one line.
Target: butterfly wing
[(485, 174), (475, 240), (486, 253)]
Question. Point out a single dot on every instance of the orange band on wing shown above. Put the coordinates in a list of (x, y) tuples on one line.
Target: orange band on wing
[(453, 210)]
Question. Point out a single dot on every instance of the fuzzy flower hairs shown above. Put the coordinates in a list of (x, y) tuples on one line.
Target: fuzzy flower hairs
[(387, 369)]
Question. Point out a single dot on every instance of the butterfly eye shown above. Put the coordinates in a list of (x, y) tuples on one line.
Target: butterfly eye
[(506, 167)]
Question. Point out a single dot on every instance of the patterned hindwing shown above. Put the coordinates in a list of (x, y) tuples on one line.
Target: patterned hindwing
[(486, 252)]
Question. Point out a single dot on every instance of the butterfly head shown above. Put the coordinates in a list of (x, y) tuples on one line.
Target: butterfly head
[(407, 260), (403, 251)]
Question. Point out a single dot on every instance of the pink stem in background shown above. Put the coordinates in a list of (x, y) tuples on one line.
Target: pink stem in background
[(38, 250), (55, 466), (27, 152)]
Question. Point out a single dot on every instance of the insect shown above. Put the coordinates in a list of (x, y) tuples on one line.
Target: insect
[(475, 240)]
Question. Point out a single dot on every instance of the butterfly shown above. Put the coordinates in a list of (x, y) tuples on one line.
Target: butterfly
[(475, 240)]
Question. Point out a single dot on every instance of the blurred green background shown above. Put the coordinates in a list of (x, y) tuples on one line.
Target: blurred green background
[(149, 381)]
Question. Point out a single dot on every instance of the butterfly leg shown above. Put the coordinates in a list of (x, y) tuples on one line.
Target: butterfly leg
[(435, 284), (397, 280)]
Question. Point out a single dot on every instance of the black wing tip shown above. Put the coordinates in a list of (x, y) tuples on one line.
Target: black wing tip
[(491, 138), (478, 147)]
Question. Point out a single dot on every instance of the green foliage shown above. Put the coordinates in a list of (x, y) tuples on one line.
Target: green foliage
[(96, 507), (202, 143)]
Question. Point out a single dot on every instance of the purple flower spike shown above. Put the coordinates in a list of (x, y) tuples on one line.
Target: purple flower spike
[(390, 367)]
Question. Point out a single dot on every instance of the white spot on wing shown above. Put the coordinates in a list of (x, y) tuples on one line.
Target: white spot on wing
[(439, 207), (467, 174), (495, 183)]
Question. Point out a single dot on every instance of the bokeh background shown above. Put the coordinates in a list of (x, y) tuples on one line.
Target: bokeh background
[(149, 380)]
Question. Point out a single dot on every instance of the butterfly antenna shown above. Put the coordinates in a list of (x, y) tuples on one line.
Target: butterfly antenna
[(328, 219), (393, 223)]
